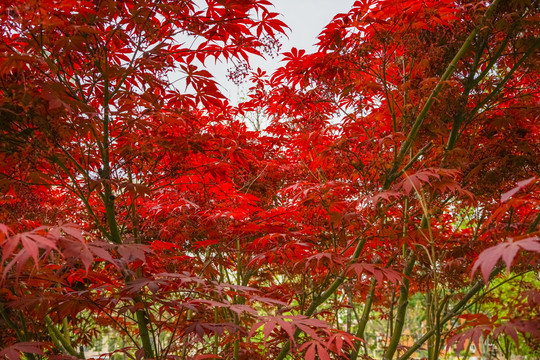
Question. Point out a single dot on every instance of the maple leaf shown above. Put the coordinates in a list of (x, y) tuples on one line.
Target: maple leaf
[(521, 185), (325, 257), (512, 327), (506, 251), (480, 326), (314, 348), (377, 271), (15, 351), (202, 329), (35, 245), (132, 252), (4, 233), (472, 335), (427, 176), (77, 251), (288, 323)]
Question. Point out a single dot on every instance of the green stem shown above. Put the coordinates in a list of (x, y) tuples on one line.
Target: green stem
[(407, 144), (459, 116), (429, 322), (57, 336), (461, 306), (238, 299), (364, 319), (216, 336), (420, 152), (403, 303), (54, 339), (471, 82), (10, 323), (447, 317), (108, 200), (106, 171), (534, 224), (142, 324), (79, 192), (501, 84), (362, 323)]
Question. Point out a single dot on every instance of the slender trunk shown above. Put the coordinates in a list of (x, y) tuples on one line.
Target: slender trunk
[(364, 319), (349, 310), (108, 201), (238, 300), (429, 323), (58, 337), (403, 303)]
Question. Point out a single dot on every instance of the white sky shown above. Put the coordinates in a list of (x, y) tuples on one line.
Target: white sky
[(306, 18)]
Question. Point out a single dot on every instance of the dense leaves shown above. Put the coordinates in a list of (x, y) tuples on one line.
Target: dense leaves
[(137, 209)]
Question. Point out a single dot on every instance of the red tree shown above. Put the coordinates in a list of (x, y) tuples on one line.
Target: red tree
[(397, 153)]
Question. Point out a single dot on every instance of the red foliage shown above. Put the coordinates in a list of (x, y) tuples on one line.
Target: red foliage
[(133, 197)]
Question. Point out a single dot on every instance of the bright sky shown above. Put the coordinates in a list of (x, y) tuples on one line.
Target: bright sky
[(306, 18)]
